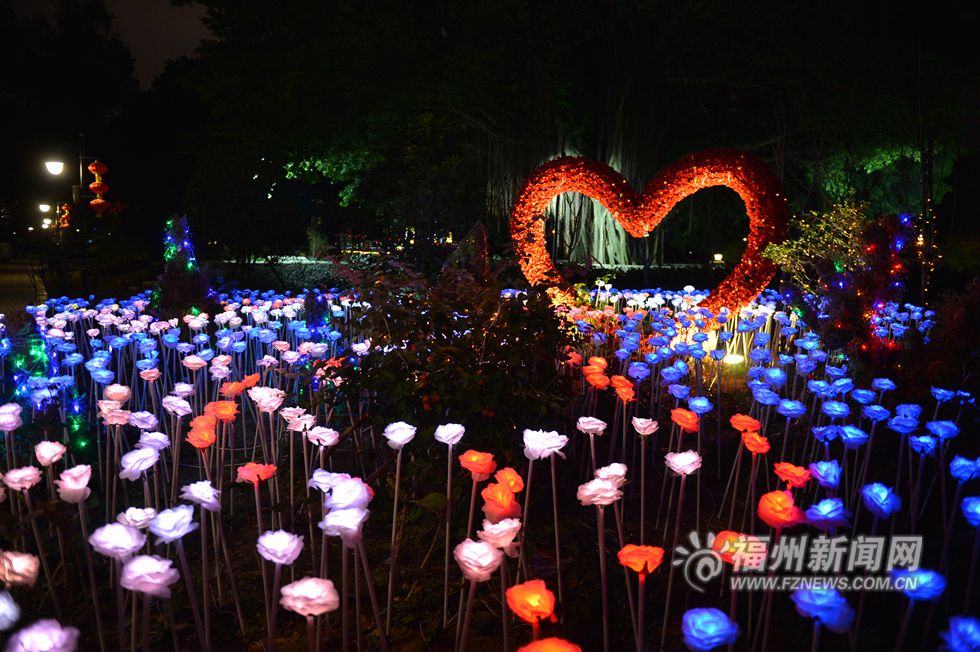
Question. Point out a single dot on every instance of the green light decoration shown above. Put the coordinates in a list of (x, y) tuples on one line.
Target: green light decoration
[(818, 239), (177, 247)]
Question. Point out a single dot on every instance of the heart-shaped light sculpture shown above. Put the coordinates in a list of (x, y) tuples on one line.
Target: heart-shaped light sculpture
[(639, 214)]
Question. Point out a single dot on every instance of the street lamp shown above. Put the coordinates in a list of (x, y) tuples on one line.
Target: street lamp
[(54, 167), (45, 208)]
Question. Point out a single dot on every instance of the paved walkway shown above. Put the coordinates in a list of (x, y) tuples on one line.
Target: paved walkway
[(16, 290)]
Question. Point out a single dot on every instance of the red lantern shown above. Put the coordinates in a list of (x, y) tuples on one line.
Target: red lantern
[(98, 187), (64, 216), (98, 168)]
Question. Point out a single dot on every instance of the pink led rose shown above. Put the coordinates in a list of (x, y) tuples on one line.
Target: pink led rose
[(10, 417), (116, 392), (149, 574), (73, 485), (310, 597), (18, 568), (591, 426), (279, 546), (44, 636), (477, 559), (202, 493), (23, 478), (645, 427), (684, 463), (320, 436), (501, 534), (116, 540), (49, 452), (137, 517), (598, 492)]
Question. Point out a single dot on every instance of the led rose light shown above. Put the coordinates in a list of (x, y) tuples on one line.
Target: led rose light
[(550, 644), (707, 629), (643, 560), (683, 464), (117, 541), (539, 444), (310, 597), (118, 393), (9, 611), (137, 517), (171, 525), (202, 493), (398, 435), (280, 548), (501, 534), (136, 462), (149, 574), (10, 419), (532, 602), (478, 560), (499, 503), (449, 434), (345, 523), (49, 452), (266, 399), (18, 568), (686, 420), (22, 479), (320, 436), (593, 428), (44, 636)]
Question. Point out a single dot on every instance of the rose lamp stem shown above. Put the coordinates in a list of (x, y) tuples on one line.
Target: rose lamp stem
[(639, 611), (464, 632), (449, 514), (91, 577), (504, 614), (393, 551), (643, 493), (670, 576), (192, 598), (554, 509), (274, 608), (374, 600), (601, 518), (311, 637)]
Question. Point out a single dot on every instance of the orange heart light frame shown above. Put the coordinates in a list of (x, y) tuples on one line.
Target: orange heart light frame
[(639, 214)]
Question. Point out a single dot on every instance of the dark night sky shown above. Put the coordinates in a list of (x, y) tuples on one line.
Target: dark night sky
[(153, 30)]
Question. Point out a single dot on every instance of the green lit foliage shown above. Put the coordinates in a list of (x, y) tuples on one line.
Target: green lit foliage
[(346, 169), (822, 243), (889, 178)]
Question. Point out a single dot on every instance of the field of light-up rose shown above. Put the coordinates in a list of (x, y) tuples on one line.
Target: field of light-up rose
[(229, 480)]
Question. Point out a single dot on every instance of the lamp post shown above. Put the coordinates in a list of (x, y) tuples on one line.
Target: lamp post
[(55, 168)]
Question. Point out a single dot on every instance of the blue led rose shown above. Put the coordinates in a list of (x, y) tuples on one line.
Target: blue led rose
[(880, 500), (707, 629), (827, 606)]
